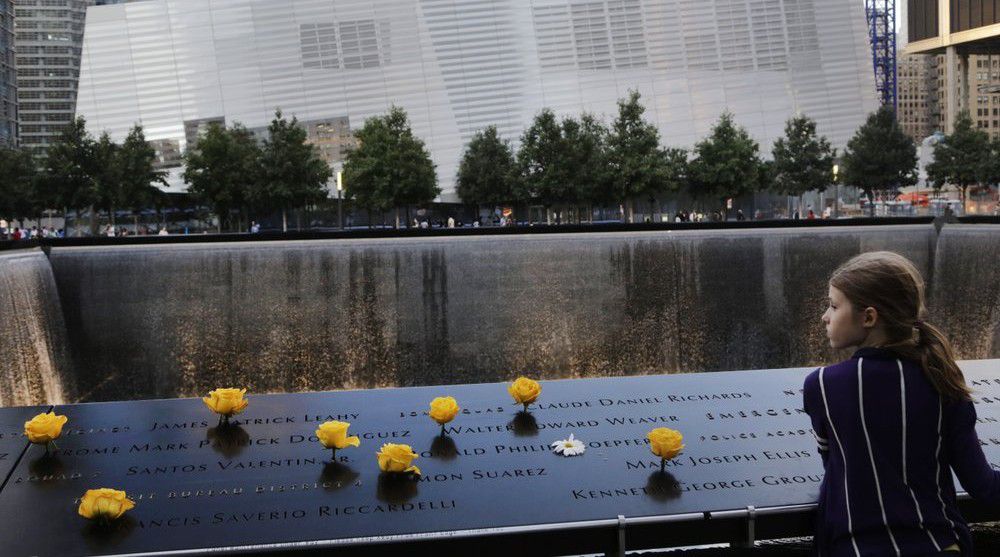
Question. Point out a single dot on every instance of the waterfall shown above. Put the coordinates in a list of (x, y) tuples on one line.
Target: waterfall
[(33, 355)]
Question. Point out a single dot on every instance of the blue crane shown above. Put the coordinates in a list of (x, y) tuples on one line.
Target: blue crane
[(881, 17)]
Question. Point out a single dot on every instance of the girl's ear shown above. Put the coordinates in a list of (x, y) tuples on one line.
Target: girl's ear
[(870, 318)]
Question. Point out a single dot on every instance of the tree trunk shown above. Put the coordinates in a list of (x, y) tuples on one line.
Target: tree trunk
[(298, 219), (396, 210), (629, 211), (284, 219), (871, 202)]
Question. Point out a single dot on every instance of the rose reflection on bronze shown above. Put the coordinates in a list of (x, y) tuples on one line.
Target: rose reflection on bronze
[(337, 476), (45, 468), (444, 447), (524, 424), (396, 488), (227, 439), (101, 536), (663, 486)]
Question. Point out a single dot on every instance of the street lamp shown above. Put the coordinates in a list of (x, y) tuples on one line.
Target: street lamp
[(340, 189), (836, 199)]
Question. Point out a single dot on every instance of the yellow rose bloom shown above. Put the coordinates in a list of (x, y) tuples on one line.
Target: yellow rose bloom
[(44, 427), (443, 409), (665, 443), (227, 402), (333, 435), (524, 390), (104, 504), (397, 458)]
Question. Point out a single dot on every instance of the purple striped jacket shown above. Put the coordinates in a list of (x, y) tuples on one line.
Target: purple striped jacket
[(889, 443)]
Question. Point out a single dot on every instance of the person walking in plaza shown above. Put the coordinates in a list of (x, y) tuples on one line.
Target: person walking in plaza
[(892, 422)]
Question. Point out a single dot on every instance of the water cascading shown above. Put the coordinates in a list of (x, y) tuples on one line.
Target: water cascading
[(33, 358)]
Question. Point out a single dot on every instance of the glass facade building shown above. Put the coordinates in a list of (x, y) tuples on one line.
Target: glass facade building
[(49, 41), (8, 76), (457, 67)]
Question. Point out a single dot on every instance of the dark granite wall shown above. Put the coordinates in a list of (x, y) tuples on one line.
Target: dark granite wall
[(162, 321), (151, 321)]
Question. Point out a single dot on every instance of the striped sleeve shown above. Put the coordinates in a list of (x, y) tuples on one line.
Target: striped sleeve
[(813, 405), (978, 478)]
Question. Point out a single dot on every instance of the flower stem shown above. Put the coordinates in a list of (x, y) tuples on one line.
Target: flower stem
[(442, 430), (334, 451), (663, 464), (526, 406)]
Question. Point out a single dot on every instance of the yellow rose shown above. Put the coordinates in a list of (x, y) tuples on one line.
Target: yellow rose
[(44, 427), (227, 402), (104, 504), (524, 390), (665, 443), (397, 458), (443, 409), (333, 435)]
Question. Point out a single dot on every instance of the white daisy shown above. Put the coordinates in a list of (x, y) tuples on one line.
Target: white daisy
[(568, 447)]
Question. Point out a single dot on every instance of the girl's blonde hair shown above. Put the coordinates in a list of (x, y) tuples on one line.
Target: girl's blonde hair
[(891, 284)]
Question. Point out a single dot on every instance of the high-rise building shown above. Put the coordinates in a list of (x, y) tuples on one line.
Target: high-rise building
[(984, 101), (49, 35), (173, 65), (917, 95), (8, 76), (966, 35)]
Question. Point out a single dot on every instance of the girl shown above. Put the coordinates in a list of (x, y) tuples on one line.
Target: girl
[(892, 422)]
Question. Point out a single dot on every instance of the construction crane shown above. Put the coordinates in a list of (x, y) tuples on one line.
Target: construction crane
[(881, 16)]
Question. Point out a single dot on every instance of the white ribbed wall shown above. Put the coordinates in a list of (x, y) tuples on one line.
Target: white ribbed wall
[(459, 65)]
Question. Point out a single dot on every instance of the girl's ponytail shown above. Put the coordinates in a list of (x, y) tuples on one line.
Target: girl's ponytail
[(891, 284), (939, 365)]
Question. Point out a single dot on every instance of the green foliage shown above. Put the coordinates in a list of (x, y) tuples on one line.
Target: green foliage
[(989, 171), (18, 186), (726, 163), (390, 166), (292, 174), (487, 172), (70, 167), (636, 163), (802, 161), (961, 158), (880, 157), (541, 160), (138, 175), (586, 159), (221, 169)]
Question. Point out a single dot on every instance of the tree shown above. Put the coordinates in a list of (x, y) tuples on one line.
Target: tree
[(803, 161), (635, 160), (587, 161), (880, 157), (292, 174), (221, 169), (107, 175), (726, 163), (989, 170), (487, 171), (137, 173), (18, 187), (541, 161), (391, 166), (69, 171), (959, 156)]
